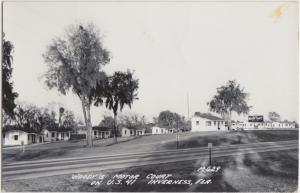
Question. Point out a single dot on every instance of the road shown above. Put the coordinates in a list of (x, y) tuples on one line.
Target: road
[(51, 167)]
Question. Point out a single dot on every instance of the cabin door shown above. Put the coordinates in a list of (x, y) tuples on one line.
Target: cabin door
[(33, 138)]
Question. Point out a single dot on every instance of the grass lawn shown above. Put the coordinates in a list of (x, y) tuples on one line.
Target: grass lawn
[(145, 143), (258, 172)]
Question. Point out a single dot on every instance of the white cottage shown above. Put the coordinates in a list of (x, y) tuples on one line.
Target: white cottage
[(132, 131), (207, 122), (268, 125), (161, 130), (101, 132), (14, 135), (57, 134)]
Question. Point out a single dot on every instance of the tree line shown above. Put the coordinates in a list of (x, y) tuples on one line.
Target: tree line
[(35, 119)]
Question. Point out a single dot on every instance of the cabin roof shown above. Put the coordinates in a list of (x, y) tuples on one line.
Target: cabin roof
[(208, 116), (8, 128), (102, 128)]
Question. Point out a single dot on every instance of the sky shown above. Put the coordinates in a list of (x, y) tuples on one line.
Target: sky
[(177, 49)]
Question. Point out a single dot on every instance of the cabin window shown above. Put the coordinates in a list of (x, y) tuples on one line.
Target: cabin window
[(47, 135), (125, 132), (208, 123), (53, 135), (3, 135), (16, 137), (130, 132), (215, 123), (156, 130), (95, 133), (67, 134), (197, 122)]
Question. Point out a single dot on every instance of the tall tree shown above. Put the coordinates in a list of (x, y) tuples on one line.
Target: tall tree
[(107, 121), (47, 119), (273, 116), (74, 63), (8, 95), (68, 119), (171, 119), (29, 117), (229, 98), (121, 89), (132, 119)]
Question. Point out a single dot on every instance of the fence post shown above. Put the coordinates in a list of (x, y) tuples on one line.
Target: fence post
[(209, 152)]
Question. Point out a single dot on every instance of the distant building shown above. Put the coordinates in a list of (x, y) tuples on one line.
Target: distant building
[(157, 130), (207, 122), (132, 131), (81, 130), (15, 135), (237, 125), (56, 134), (257, 122), (101, 132)]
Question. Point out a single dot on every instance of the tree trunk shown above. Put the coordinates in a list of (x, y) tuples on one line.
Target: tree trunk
[(115, 129), (90, 128), (229, 120), (87, 119)]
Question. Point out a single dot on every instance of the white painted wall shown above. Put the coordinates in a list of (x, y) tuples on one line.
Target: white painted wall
[(157, 130), (126, 132), (101, 134), (9, 138), (54, 135), (268, 125), (203, 124), (140, 132), (160, 130)]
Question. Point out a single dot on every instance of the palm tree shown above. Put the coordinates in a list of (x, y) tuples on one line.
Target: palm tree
[(121, 89)]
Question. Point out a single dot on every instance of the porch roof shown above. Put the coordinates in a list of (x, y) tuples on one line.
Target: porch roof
[(208, 116), (101, 128), (8, 128)]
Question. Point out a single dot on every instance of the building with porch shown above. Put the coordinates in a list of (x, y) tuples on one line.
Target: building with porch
[(56, 133), (13, 135), (157, 130), (101, 132), (132, 131), (207, 122)]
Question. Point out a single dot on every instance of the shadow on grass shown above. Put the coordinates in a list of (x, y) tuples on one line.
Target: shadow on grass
[(202, 141), (123, 141), (35, 155), (275, 135), (233, 138), (286, 167)]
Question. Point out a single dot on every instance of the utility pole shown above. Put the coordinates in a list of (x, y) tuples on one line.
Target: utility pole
[(188, 107)]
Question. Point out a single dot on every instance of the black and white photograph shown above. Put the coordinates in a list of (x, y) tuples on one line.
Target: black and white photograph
[(150, 96)]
